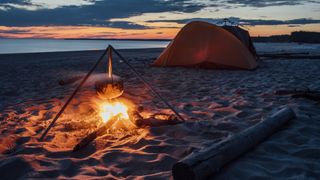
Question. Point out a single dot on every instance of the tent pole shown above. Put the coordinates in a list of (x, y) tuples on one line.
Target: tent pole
[(73, 94), (147, 84)]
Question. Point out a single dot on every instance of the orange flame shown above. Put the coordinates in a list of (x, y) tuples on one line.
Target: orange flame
[(109, 110)]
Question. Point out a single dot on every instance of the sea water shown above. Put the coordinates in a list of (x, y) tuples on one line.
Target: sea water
[(9, 46)]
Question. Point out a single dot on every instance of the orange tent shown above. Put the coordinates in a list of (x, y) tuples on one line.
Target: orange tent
[(206, 45)]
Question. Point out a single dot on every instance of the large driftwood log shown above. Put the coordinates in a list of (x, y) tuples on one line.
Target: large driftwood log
[(208, 161), (92, 136)]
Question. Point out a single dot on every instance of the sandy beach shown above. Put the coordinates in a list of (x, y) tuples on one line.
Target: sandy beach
[(215, 103)]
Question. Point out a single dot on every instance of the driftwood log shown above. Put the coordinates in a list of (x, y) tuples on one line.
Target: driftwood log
[(302, 55), (141, 122), (290, 92), (310, 96), (63, 82), (92, 136), (307, 94), (202, 164)]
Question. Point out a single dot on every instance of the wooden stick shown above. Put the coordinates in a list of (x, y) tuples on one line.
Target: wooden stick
[(92, 136), (209, 160)]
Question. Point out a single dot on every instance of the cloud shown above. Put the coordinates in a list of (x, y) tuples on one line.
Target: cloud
[(266, 3), (13, 31), (23, 13), (99, 13), (251, 22), (32, 5), (126, 25)]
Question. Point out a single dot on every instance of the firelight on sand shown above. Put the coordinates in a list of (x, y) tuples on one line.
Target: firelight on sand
[(112, 109)]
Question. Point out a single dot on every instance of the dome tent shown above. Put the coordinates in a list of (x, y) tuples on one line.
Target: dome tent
[(206, 45)]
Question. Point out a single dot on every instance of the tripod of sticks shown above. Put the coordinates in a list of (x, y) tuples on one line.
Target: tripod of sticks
[(109, 49)]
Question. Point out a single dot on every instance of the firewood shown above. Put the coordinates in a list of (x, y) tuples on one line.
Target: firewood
[(155, 122), (206, 162), (139, 121), (92, 136)]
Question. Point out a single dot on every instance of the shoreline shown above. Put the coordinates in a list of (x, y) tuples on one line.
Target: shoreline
[(80, 51)]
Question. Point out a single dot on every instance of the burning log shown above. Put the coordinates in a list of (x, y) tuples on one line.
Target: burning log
[(208, 161), (92, 136), (139, 121)]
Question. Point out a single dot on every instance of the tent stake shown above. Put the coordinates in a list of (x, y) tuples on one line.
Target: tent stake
[(73, 94)]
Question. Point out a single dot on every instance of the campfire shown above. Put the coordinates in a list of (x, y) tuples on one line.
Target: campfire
[(115, 112), (118, 110), (109, 110)]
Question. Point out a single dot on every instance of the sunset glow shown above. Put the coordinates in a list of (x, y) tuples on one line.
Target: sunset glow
[(156, 19)]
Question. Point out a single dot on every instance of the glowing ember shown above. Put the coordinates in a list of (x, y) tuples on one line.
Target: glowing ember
[(109, 110)]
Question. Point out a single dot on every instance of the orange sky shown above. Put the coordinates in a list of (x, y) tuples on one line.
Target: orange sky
[(154, 20), (154, 33)]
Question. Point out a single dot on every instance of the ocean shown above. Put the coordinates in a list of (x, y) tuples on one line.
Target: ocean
[(10, 46)]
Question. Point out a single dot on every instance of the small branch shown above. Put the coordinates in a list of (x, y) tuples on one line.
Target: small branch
[(92, 136)]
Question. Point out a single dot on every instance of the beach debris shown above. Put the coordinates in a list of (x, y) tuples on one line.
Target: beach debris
[(300, 55), (208, 161), (307, 94), (295, 91)]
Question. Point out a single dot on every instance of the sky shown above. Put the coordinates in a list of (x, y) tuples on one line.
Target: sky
[(150, 19)]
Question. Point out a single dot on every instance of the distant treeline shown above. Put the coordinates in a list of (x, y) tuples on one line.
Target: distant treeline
[(298, 36)]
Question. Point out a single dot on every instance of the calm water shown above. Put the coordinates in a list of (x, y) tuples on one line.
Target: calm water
[(51, 45)]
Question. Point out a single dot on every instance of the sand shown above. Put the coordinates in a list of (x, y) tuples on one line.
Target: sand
[(216, 104)]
